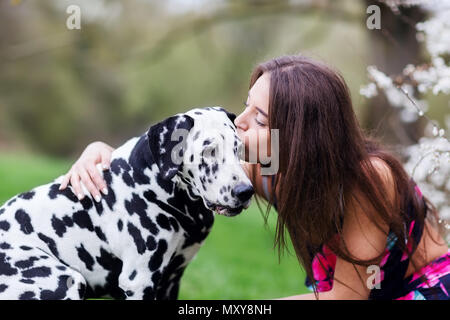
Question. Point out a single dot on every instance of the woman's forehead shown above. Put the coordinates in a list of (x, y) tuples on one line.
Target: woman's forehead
[(259, 93)]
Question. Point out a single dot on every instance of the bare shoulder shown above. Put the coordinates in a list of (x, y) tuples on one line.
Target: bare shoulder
[(361, 221), (385, 172)]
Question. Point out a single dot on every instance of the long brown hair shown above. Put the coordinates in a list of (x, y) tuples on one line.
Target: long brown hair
[(326, 161)]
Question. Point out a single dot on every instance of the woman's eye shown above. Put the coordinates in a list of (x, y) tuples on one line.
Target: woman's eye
[(259, 123)]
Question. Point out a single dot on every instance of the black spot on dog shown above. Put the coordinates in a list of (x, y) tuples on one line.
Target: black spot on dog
[(54, 192), (59, 226), (10, 202), (98, 207), (190, 174), (62, 268), (60, 292), (87, 203), (81, 218), (27, 281), (27, 195), (132, 275), (129, 293), (37, 272), (27, 295), (5, 246), (174, 224), (23, 264), (119, 165), (4, 225), (139, 206), (128, 179), (157, 257), (120, 225), (137, 237), (24, 220), (163, 221), (198, 112), (68, 221), (215, 167), (84, 256), (3, 287), (107, 177), (100, 234), (156, 277), (81, 290), (114, 265), (151, 243), (2, 210), (25, 248), (225, 198), (110, 198), (50, 243)]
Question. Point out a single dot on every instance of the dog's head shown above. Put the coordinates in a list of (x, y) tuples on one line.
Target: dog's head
[(201, 148)]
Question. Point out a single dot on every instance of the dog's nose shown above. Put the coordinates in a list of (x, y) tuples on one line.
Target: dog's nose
[(243, 191)]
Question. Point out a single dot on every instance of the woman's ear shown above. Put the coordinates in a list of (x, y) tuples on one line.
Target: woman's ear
[(167, 143)]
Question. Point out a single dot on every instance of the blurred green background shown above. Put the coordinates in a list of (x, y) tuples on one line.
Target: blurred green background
[(135, 62)]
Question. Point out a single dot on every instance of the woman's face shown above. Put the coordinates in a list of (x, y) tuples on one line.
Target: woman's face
[(253, 123)]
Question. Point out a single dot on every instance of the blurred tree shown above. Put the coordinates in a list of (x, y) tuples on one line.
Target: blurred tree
[(135, 62), (392, 47)]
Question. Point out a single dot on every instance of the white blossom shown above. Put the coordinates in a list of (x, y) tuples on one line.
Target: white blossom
[(428, 161)]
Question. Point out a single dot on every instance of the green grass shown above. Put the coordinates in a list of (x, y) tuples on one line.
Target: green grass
[(236, 261)]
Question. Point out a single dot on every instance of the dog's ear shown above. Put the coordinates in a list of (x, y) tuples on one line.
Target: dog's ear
[(230, 115), (167, 142)]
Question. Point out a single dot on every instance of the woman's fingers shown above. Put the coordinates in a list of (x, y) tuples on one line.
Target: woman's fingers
[(86, 179), (65, 180), (105, 158), (75, 182), (97, 179)]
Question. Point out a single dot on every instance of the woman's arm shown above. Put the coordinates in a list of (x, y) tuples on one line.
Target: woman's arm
[(84, 170)]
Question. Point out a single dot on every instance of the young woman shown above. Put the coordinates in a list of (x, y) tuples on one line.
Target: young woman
[(359, 225)]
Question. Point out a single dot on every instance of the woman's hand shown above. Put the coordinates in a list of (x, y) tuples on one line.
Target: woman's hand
[(85, 169)]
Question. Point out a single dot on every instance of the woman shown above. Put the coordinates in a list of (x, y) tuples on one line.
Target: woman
[(359, 225)]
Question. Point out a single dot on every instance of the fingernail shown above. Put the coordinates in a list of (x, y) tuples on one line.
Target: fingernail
[(97, 198), (105, 191), (80, 196)]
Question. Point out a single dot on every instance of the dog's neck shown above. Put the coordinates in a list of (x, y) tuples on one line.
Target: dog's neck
[(182, 194)]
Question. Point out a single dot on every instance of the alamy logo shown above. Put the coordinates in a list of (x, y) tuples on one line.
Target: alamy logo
[(74, 20), (374, 280), (374, 20)]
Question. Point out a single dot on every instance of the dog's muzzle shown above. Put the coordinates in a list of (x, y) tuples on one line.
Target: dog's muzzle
[(243, 193)]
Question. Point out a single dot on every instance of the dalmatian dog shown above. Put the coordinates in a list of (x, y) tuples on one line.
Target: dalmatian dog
[(164, 189)]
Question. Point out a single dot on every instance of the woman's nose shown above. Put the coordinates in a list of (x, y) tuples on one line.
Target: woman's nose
[(240, 122)]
